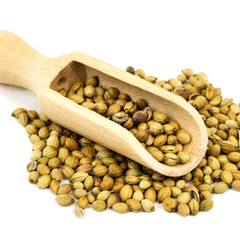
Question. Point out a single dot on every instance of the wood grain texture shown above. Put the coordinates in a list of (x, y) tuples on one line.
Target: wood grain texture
[(19, 62), (43, 79)]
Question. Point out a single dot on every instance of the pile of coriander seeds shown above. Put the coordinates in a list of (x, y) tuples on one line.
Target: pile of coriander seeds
[(158, 134), (103, 179)]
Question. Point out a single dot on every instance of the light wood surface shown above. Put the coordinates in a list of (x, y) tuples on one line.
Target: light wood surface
[(23, 66)]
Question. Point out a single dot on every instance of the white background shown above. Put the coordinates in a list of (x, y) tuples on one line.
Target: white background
[(162, 37)]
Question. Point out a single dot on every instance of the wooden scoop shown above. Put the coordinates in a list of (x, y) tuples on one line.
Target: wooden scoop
[(23, 66)]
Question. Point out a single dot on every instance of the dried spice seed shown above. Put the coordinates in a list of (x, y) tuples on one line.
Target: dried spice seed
[(220, 187), (99, 205), (18, 111), (35, 155), (235, 185), (184, 197), (23, 119), (64, 189), (126, 192), (164, 193), (206, 205), (83, 202), (205, 195), (44, 181), (135, 206), (33, 177), (64, 200), (194, 206), (113, 199), (121, 207), (42, 169), (80, 192), (54, 186), (169, 205), (78, 177), (79, 212), (227, 176), (183, 209), (147, 205), (150, 194), (31, 166), (68, 172), (103, 195)]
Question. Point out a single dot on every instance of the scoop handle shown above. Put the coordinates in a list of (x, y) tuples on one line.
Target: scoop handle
[(19, 62)]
